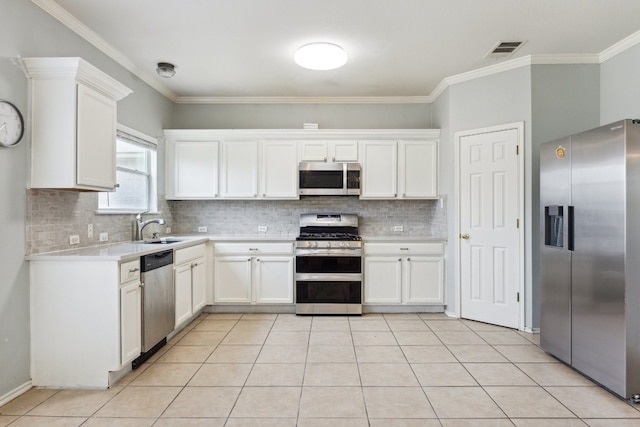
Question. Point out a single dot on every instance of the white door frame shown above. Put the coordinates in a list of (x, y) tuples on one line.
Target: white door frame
[(519, 127)]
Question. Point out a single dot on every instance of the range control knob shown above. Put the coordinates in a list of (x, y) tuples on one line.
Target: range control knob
[(328, 244), (343, 244), (313, 244)]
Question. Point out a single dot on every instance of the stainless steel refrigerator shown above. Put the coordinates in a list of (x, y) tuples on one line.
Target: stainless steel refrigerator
[(590, 254)]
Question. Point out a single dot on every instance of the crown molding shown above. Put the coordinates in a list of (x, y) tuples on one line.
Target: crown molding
[(303, 100), (71, 22), (55, 10), (620, 47)]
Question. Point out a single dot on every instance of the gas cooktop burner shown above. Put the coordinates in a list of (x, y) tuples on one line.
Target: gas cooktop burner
[(328, 236)]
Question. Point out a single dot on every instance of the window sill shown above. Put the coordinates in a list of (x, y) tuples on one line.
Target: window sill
[(123, 212)]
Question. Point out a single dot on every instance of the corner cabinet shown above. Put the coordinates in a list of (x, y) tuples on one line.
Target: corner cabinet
[(406, 169), (73, 124), (404, 273)]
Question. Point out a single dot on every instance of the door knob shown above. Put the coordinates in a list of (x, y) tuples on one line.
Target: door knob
[(465, 236)]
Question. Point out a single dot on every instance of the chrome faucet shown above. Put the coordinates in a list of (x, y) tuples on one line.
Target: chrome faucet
[(139, 225)]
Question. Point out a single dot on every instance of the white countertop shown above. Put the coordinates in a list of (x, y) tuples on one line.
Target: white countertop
[(125, 251)]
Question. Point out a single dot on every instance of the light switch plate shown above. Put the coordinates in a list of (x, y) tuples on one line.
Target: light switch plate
[(104, 237), (398, 228), (262, 228), (202, 229), (74, 239)]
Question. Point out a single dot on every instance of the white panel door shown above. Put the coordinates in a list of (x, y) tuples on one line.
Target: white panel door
[(489, 235), (182, 284), (130, 322), (343, 151)]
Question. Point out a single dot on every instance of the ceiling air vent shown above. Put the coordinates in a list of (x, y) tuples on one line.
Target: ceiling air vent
[(504, 49)]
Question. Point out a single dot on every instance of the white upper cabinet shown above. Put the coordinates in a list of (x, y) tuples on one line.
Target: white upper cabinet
[(253, 164), (240, 169), (192, 169), (73, 124), (279, 170), (329, 151), (399, 169), (418, 169), (378, 179)]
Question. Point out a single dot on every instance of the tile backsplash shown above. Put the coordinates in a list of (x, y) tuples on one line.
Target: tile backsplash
[(53, 215), (376, 217)]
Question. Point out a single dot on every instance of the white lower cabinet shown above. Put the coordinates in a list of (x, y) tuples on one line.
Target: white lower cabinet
[(130, 311), (253, 273), (190, 282), (404, 273), (85, 321)]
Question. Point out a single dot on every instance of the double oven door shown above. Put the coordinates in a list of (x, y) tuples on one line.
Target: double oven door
[(329, 281)]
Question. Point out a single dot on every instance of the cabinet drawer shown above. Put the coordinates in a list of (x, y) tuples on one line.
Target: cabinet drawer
[(129, 271), (253, 248), (187, 254), (413, 248)]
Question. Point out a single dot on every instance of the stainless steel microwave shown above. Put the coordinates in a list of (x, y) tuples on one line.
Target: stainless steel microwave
[(329, 179)]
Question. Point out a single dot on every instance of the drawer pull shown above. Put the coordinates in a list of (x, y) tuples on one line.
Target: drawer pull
[(253, 249), (404, 249), (133, 270)]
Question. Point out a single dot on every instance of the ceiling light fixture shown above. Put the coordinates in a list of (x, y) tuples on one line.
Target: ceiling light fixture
[(166, 70), (320, 56)]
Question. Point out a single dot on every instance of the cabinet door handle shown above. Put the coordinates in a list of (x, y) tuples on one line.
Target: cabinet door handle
[(404, 249), (248, 259), (408, 259), (325, 159), (399, 259), (133, 270), (258, 259)]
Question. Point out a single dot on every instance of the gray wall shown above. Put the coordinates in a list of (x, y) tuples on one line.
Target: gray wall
[(565, 99), (620, 87), (29, 31), (292, 116), (488, 101)]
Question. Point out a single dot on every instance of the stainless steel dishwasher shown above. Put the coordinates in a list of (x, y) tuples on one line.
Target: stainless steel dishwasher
[(158, 302)]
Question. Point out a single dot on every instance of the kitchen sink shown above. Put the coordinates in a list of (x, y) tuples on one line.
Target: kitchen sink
[(162, 241)]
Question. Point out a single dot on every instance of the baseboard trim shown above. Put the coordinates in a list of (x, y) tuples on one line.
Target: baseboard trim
[(532, 330), (8, 397)]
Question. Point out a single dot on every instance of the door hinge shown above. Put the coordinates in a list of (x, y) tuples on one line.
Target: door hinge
[(518, 296), (517, 150)]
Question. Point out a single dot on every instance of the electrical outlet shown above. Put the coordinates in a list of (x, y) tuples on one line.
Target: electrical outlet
[(398, 228), (104, 237), (262, 228), (74, 239), (90, 231), (167, 230), (202, 229)]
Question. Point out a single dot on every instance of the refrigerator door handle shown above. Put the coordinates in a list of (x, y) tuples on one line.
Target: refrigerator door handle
[(570, 226)]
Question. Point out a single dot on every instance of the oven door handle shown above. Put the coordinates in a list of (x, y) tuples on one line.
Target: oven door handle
[(328, 277), (332, 252)]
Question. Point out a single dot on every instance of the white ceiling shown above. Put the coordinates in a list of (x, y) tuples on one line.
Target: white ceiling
[(397, 48)]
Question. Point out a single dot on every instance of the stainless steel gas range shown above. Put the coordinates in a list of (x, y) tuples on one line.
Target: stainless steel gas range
[(329, 265)]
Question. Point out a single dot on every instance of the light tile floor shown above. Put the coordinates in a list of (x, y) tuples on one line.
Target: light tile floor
[(376, 370)]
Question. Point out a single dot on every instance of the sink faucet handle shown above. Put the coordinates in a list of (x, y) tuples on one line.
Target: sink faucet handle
[(139, 216)]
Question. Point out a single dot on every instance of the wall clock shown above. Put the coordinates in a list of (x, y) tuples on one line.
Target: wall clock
[(11, 124)]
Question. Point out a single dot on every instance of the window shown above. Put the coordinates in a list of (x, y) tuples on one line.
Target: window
[(136, 175)]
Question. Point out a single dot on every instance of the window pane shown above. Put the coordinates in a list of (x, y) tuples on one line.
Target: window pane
[(131, 156), (132, 193)]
